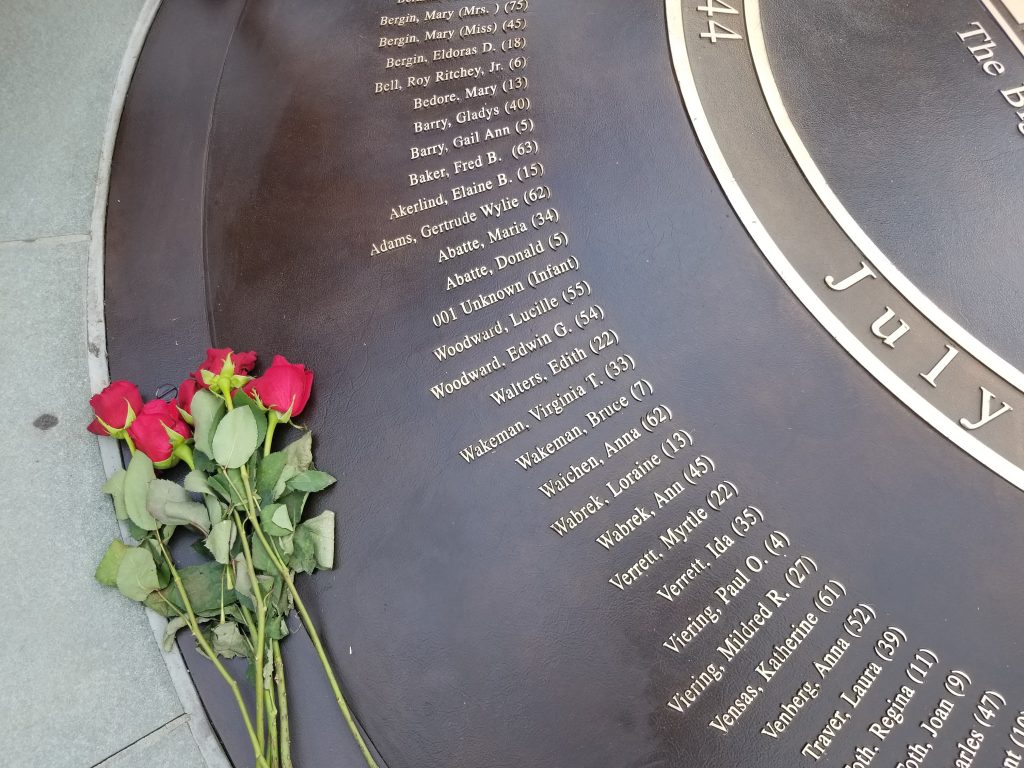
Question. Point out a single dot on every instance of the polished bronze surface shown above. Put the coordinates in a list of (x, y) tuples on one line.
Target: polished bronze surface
[(609, 494)]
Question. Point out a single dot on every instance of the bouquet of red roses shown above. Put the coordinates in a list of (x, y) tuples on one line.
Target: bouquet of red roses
[(245, 501)]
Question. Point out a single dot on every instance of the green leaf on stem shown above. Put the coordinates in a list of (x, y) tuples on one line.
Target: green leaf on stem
[(268, 476), (280, 599), (106, 571), (242, 400), (281, 518), (303, 556), (228, 641), (279, 607), (170, 504), (250, 675), (163, 572), (221, 540), (275, 520), (311, 481), (174, 626), (161, 492), (236, 438), (243, 584), (215, 509), (234, 612), (277, 628), (187, 513), (260, 559), (203, 462), (268, 677), (157, 602), (320, 531), (267, 583), (296, 503), (205, 586), (137, 533), (207, 411), (196, 482), (253, 468), (274, 472), (299, 453), (285, 545), (136, 489), (222, 489), (115, 487), (136, 575)]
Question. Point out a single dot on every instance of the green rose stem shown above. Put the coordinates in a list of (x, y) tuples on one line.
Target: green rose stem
[(261, 611), (184, 452), (275, 750), (280, 712), (251, 625), (300, 607), (273, 419), (282, 569), (261, 624), (282, 703), (193, 623)]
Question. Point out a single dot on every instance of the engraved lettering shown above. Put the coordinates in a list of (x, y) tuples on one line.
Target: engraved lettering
[(744, 632), (683, 700), (818, 748), (618, 533), (695, 625), (470, 340), (856, 277), (674, 589), (987, 414), (893, 715), (630, 576), (539, 453), (890, 338), (466, 378), (861, 685), (516, 388), (564, 480), (940, 366), (484, 446), (569, 521), (788, 710)]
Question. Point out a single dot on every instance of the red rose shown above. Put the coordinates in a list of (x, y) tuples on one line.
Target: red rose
[(284, 388), (214, 363), (115, 407), (149, 430), (186, 392)]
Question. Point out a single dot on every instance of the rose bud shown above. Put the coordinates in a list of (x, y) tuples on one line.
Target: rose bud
[(186, 391), (160, 433), (224, 370), (115, 408), (284, 388)]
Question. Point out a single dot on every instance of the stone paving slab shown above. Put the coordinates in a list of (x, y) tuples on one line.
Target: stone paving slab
[(171, 747), (82, 676), (58, 63)]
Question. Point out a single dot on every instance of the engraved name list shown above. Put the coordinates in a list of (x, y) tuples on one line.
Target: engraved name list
[(764, 633)]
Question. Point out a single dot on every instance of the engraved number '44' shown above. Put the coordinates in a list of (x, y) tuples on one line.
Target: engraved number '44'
[(717, 31)]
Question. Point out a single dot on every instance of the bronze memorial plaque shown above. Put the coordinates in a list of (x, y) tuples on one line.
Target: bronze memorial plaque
[(669, 355)]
